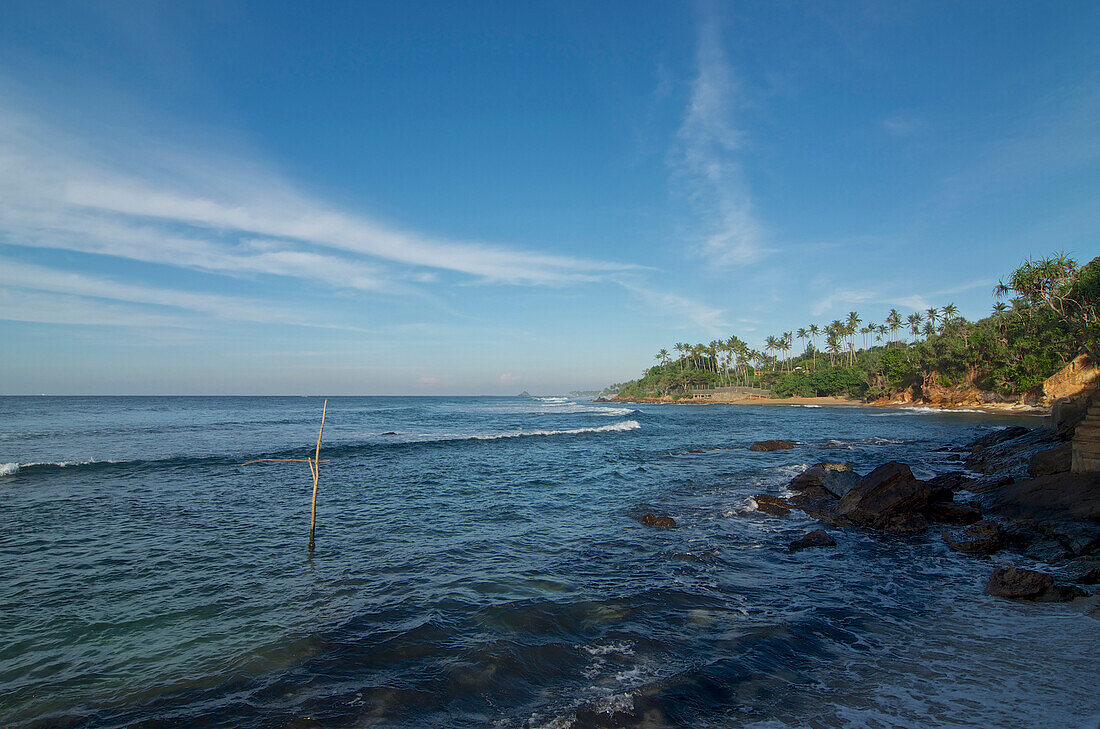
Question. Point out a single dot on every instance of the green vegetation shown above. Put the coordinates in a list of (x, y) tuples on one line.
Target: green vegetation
[(1047, 311)]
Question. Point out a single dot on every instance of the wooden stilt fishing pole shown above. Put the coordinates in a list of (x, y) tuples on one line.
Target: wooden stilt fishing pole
[(314, 470)]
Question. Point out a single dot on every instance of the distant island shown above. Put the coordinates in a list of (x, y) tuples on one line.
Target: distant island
[(1041, 342)]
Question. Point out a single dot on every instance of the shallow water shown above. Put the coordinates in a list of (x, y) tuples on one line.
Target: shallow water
[(484, 566)]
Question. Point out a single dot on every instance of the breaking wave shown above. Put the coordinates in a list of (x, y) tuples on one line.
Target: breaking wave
[(612, 428)]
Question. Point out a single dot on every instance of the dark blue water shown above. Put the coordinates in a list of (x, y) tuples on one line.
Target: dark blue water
[(485, 567)]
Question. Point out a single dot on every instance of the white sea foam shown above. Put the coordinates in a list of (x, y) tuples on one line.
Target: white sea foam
[(10, 469), (922, 411), (565, 406), (612, 428)]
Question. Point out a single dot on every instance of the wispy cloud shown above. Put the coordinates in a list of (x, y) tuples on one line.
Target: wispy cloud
[(840, 297), (687, 313), (705, 158), (77, 298), (208, 214)]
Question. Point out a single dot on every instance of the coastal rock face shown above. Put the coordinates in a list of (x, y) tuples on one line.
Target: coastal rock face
[(952, 513), (836, 478), (816, 538), (1052, 460), (771, 505), (772, 445), (1062, 506), (889, 498), (1066, 413), (1079, 376), (955, 481), (658, 521), (1017, 583), (1008, 452), (983, 537)]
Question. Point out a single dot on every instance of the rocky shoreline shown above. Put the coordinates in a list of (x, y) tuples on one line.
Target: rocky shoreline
[(1016, 498), (1005, 408)]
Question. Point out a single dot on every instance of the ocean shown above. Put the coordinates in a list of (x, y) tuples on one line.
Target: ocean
[(484, 566)]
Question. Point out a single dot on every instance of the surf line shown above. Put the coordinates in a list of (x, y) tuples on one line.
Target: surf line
[(314, 470)]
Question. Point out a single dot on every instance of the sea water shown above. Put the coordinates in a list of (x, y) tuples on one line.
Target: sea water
[(480, 562)]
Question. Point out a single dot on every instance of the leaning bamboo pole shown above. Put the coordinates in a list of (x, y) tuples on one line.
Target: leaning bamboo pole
[(316, 468), (314, 471)]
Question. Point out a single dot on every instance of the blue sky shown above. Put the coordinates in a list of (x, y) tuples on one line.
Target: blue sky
[(445, 198)]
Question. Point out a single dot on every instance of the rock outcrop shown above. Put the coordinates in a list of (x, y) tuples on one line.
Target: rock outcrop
[(1017, 583), (658, 521), (889, 498), (1086, 440), (772, 445), (952, 513), (1051, 460), (836, 478), (1080, 376), (983, 537), (816, 538), (771, 505)]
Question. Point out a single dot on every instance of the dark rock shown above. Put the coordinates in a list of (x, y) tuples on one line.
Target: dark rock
[(837, 478), (997, 437), (904, 525), (1052, 460), (389, 432), (884, 496), (811, 495), (940, 494), (1066, 413), (658, 521), (983, 537), (1062, 506), (1090, 577), (954, 481), (1061, 593), (952, 513), (1017, 583), (989, 483), (1011, 456), (772, 445), (772, 505), (827, 515), (816, 538)]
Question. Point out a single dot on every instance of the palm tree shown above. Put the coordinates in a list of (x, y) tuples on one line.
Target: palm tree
[(802, 335), (771, 344), (931, 313), (894, 322), (949, 312), (832, 343), (682, 349), (850, 325), (929, 329), (662, 356), (814, 331), (914, 324)]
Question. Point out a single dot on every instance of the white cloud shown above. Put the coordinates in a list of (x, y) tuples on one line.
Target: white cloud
[(705, 159), (508, 378), (840, 297), (681, 310), (209, 214), (64, 297)]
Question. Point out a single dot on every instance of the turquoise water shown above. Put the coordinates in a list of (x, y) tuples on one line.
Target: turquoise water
[(484, 566)]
